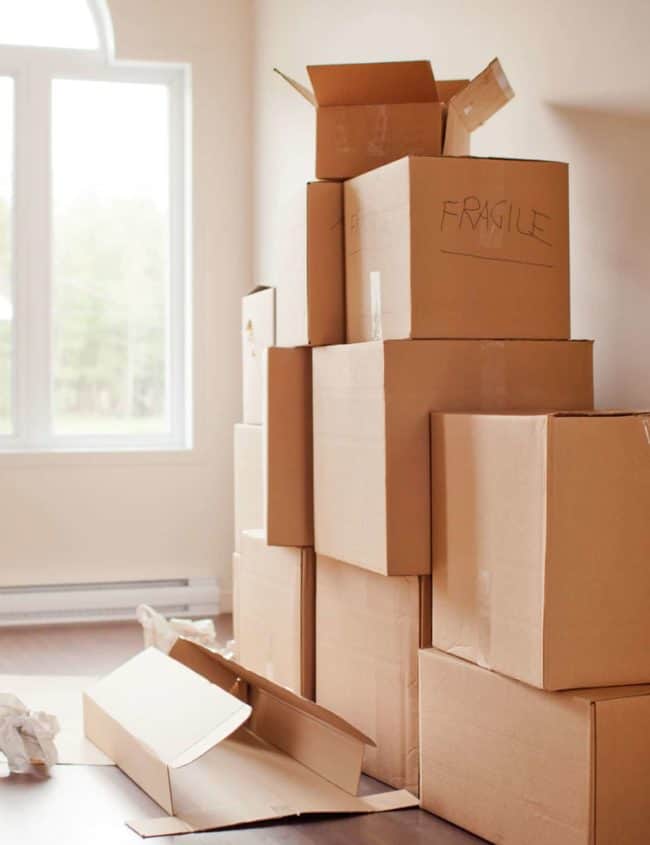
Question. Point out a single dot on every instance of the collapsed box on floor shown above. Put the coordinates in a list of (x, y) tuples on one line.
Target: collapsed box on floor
[(248, 479), (216, 745), (370, 114), (541, 545), (458, 247), (257, 333), (287, 452), (372, 488), (516, 764), (309, 268), (369, 628), (274, 606)]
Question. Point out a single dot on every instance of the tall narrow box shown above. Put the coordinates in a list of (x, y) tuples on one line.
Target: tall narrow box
[(257, 333), (309, 268), (514, 764), (541, 545), (274, 598), (368, 632), (458, 247), (248, 479), (372, 487)]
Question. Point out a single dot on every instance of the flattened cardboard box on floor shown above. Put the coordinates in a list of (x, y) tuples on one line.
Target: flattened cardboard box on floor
[(248, 479), (372, 401), (541, 545), (458, 247), (370, 114), (274, 607), (216, 745), (309, 268), (287, 451), (368, 631), (257, 333), (515, 764)]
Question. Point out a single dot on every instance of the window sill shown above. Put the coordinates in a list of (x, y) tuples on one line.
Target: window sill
[(98, 456)]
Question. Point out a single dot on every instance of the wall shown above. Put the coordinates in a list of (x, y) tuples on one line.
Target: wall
[(69, 518), (580, 70)]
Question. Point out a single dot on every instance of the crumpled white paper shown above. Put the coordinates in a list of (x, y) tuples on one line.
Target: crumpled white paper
[(163, 633), (26, 736)]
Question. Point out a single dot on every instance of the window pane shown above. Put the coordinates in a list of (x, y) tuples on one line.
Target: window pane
[(48, 23), (6, 272), (111, 247)]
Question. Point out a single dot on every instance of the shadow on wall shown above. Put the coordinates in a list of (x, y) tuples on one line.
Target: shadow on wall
[(609, 153)]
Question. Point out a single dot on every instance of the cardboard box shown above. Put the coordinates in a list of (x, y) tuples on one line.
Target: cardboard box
[(370, 114), (371, 431), (458, 247), (237, 750), (515, 764), (541, 544), (248, 478), (257, 333), (368, 631), (275, 596), (287, 451), (309, 268)]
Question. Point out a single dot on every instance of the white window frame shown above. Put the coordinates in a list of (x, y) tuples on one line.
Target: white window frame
[(33, 70)]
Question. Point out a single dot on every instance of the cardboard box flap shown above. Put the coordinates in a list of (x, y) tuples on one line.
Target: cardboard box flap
[(485, 95), (170, 710), (301, 89), (217, 668), (600, 413), (379, 83), (448, 88)]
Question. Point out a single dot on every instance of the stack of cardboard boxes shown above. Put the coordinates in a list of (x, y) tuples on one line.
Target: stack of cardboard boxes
[(398, 383)]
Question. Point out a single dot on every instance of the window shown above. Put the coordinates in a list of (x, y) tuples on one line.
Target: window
[(92, 238)]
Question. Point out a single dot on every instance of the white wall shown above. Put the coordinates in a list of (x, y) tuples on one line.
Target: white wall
[(71, 518), (580, 69)]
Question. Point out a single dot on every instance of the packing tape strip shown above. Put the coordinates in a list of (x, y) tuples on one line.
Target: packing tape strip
[(645, 422), (376, 329)]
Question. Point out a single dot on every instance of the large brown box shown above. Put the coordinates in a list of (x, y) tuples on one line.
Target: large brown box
[(309, 268), (287, 453), (541, 545), (370, 114), (372, 487), (368, 631), (458, 247), (515, 764), (274, 597)]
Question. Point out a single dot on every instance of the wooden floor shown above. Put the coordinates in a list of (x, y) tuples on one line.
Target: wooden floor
[(87, 805)]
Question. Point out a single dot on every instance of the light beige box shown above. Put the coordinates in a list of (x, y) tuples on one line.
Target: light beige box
[(515, 764), (248, 479), (368, 632), (370, 114), (309, 268), (257, 333), (458, 247), (287, 451), (237, 750), (275, 594), (541, 545), (372, 487)]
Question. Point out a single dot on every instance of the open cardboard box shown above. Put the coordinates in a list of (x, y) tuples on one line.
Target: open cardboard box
[(217, 745), (370, 114)]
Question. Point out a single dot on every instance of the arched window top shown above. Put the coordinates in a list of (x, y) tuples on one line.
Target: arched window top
[(72, 24)]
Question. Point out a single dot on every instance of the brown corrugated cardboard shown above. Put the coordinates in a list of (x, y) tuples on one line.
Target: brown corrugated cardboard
[(370, 114), (368, 631), (458, 247), (515, 764), (371, 431), (257, 332), (275, 595), (309, 268), (541, 543), (216, 745), (248, 478), (287, 453)]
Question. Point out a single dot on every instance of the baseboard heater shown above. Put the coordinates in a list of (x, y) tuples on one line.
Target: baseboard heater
[(110, 600)]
